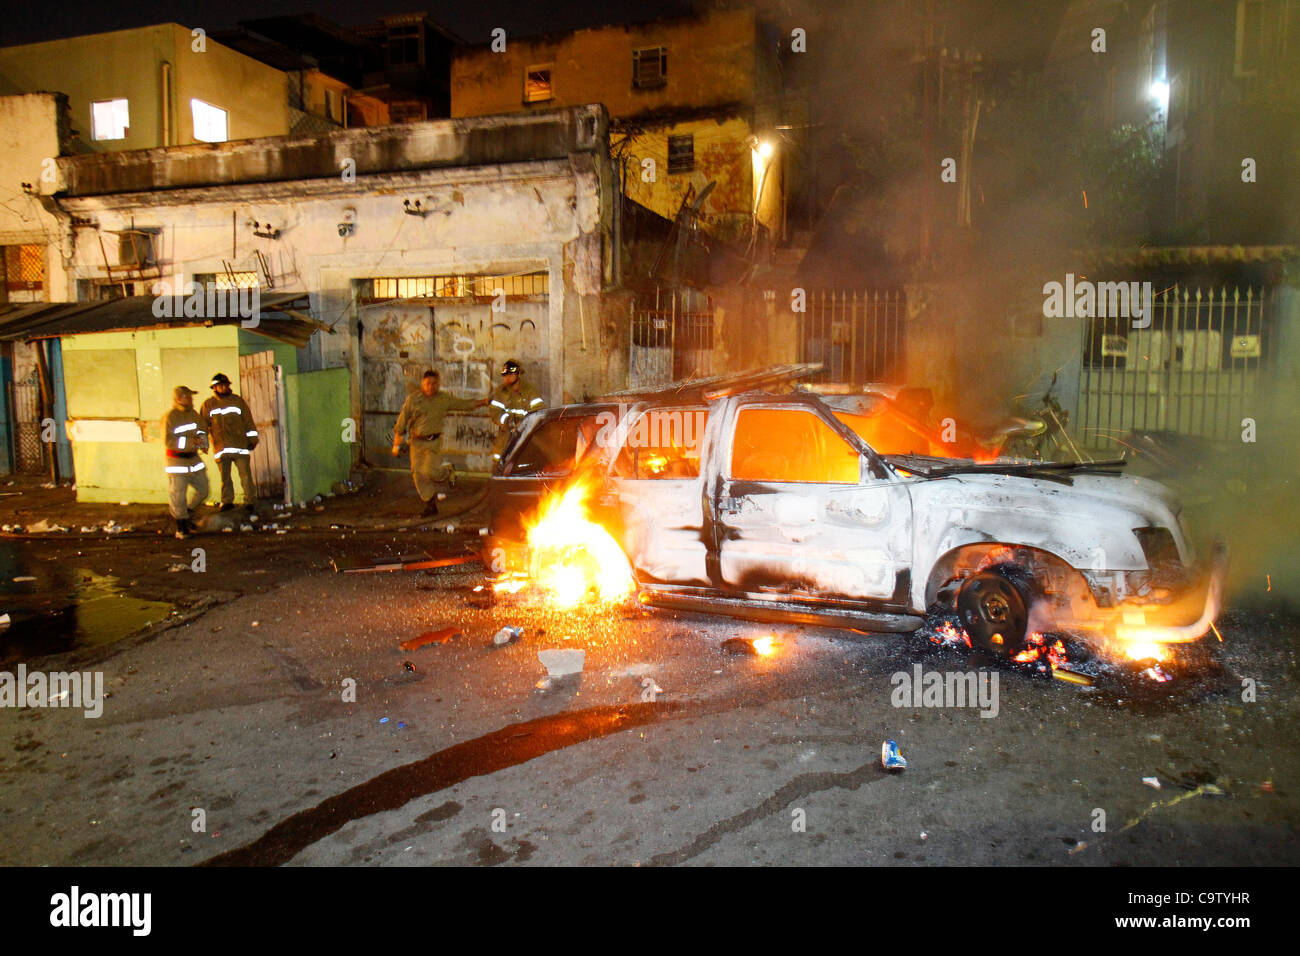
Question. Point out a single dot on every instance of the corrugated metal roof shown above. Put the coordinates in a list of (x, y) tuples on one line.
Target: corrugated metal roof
[(280, 318)]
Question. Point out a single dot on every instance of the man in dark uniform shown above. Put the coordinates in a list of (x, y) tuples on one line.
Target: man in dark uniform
[(511, 402), (234, 436), (422, 414)]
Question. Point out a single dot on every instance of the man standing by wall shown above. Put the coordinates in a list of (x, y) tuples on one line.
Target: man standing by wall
[(184, 436), (512, 400), (234, 436), (422, 414)]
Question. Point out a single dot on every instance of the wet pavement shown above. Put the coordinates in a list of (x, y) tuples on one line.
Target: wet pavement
[(666, 749)]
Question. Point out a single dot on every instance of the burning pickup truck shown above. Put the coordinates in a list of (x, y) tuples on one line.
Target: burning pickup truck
[(768, 504)]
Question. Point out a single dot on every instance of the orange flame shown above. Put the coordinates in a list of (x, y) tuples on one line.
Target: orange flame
[(571, 555)]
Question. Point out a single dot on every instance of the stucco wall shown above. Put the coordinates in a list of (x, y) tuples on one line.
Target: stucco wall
[(128, 63), (98, 390), (711, 60)]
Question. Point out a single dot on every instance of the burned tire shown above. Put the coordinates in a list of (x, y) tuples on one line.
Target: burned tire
[(993, 607)]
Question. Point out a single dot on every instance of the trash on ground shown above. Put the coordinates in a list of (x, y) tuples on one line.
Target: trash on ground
[(1153, 782), (383, 720), (44, 526), (430, 637), (507, 635), (562, 662), (740, 645), (407, 665), (25, 577), (1072, 677), (890, 758), (4, 621)]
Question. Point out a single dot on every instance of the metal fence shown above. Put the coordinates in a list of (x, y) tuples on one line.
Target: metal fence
[(859, 337), (672, 337), (1194, 370)]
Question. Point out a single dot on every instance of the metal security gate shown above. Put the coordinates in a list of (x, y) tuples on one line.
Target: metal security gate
[(672, 337), (1194, 370), (262, 387), (859, 337), (27, 429)]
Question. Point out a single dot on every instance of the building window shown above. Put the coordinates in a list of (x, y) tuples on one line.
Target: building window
[(227, 280), (650, 67), (23, 270), (454, 287), (209, 122), (681, 153), (405, 46), (110, 119), (1261, 36), (537, 84), (329, 105)]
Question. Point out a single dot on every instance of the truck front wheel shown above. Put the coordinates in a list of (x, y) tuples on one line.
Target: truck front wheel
[(993, 607)]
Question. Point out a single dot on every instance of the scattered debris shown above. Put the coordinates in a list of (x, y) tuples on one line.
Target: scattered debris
[(43, 527), (890, 758), (562, 662), (383, 720), (407, 665), (24, 577), (344, 566), (507, 635), (1152, 782), (1078, 847), (430, 637), (1072, 677)]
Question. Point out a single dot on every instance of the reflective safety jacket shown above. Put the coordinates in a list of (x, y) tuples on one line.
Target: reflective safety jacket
[(512, 404), (231, 425), (184, 435)]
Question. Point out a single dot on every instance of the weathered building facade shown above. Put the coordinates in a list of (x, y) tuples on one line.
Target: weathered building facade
[(451, 244), (692, 100)]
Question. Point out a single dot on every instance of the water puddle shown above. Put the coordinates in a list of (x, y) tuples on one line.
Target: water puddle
[(54, 608)]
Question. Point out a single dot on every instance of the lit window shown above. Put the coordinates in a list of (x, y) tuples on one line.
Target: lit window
[(209, 122), (110, 119), (537, 84), (650, 67)]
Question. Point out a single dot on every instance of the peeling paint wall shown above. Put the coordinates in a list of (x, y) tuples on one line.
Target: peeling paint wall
[(549, 215)]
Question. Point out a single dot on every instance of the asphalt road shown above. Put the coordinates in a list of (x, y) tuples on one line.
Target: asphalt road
[(664, 750)]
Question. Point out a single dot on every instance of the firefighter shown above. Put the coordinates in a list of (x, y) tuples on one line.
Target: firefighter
[(184, 436), (513, 400), (234, 436), (422, 415)]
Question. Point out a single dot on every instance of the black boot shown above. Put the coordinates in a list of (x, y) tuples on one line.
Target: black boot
[(182, 528), (430, 508)]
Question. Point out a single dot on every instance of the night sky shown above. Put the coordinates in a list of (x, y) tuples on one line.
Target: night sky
[(473, 21)]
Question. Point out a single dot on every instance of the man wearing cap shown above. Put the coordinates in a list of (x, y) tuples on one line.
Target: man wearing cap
[(184, 436), (234, 436), (513, 400), (422, 415)]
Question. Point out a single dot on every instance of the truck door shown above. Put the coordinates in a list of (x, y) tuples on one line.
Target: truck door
[(801, 513)]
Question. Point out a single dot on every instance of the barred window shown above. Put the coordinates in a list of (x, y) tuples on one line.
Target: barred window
[(24, 268), (649, 67), (454, 286), (681, 153)]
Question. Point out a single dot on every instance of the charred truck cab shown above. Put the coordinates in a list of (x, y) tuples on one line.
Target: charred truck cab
[(769, 504)]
